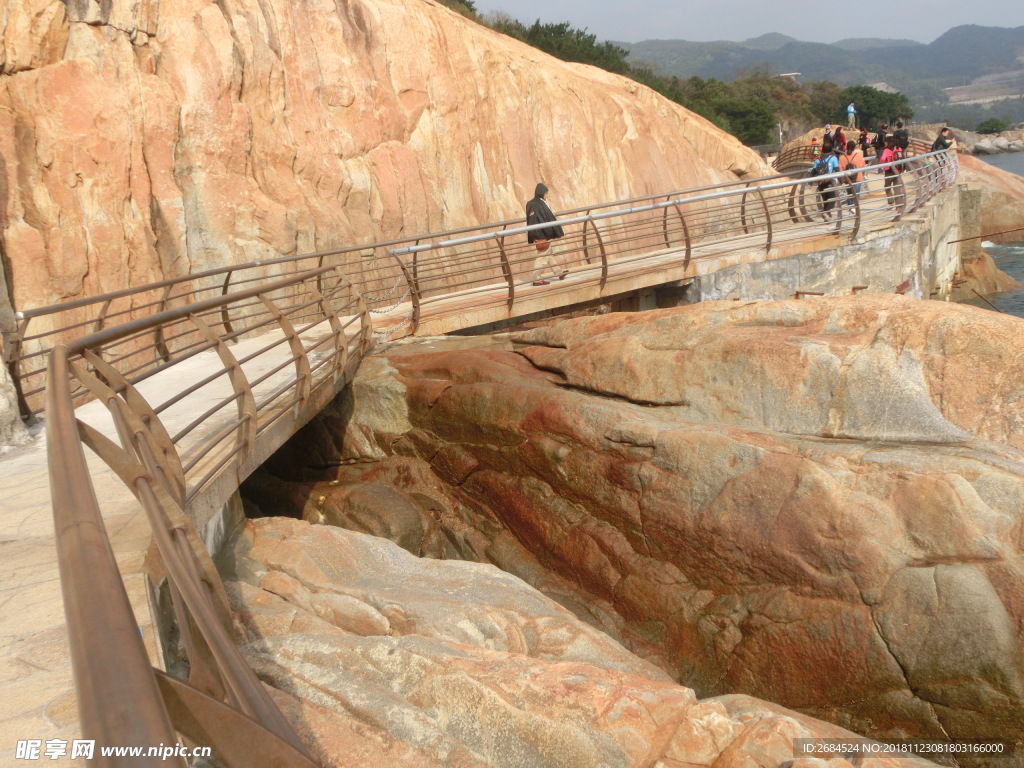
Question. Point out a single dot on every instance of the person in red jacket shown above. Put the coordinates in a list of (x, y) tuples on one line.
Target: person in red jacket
[(892, 173)]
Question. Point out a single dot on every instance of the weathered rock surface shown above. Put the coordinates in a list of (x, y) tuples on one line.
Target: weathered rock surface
[(141, 140), (980, 275), (1002, 199), (814, 502), (12, 430), (380, 658)]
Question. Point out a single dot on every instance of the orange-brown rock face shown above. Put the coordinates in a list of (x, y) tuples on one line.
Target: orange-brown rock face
[(381, 658), (147, 139), (1002, 199), (814, 502)]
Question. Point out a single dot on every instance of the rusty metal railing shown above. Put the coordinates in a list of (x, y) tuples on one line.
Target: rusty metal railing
[(446, 275), (304, 336)]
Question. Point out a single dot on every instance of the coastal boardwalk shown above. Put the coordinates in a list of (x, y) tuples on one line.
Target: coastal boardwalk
[(37, 700)]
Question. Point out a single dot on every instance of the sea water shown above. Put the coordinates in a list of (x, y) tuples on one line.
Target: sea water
[(1009, 257)]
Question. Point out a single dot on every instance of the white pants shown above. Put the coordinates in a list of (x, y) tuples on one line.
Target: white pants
[(550, 263)]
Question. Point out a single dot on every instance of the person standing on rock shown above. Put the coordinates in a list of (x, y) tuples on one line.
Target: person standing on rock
[(549, 258), (851, 115)]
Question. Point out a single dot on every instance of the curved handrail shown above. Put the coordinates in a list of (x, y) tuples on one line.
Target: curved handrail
[(707, 210), (637, 237), (797, 157), (318, 326)]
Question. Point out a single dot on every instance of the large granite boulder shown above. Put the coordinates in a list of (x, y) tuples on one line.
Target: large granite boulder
[(380, 658), (814, 502)]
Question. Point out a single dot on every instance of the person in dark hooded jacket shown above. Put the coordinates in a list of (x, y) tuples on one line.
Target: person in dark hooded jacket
[(549, 258)]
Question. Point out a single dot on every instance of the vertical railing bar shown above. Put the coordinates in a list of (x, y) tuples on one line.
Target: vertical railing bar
[(302, 372), (506, 269)]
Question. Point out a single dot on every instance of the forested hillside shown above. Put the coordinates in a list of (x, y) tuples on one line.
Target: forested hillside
[(961, 54)]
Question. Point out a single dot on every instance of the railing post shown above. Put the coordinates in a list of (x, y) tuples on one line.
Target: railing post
[(302, 370), (856, 208), (414, 293), (14, 365), (743, 209), (601, 248), (225, 318), (246, 403), (158, 332), (135, 419), (767, 219), (340, 348), (901, 196), (686, 235), (506, 269), (365, 323)]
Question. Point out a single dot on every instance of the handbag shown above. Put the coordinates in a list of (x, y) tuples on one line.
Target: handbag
[(542, 245)]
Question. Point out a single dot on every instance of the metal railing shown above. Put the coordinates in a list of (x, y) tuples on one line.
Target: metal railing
[(447, 275), (306, 335), (40, 329), (800, 156), (406, 279)]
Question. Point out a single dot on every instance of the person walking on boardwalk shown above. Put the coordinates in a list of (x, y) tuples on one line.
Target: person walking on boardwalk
[(853, 161), (826, 164), (889, 154), (879, 142), (902, 136), (549, 257), (839, 138)]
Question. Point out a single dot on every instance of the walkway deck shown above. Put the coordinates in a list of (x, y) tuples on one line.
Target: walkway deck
[(37, 698)]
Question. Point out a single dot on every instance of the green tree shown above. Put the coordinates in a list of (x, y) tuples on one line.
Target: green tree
[(992, 125), (465, 7), (566, 43), (873, 106), (750, 121)]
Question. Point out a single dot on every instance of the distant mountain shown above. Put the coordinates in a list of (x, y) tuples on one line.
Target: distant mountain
[(960, 55), (867, 43), (768, 41)]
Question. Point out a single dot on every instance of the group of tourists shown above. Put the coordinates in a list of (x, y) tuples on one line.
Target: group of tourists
[(835, 153)]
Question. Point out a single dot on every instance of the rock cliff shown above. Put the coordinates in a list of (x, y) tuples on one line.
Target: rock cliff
[(142, 139), (816, 502)]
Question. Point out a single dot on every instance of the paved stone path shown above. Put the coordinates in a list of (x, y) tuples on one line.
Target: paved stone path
[(37, 698), (36, 689)]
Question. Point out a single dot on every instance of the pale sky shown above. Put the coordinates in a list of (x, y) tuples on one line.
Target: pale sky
[(634, 20)]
